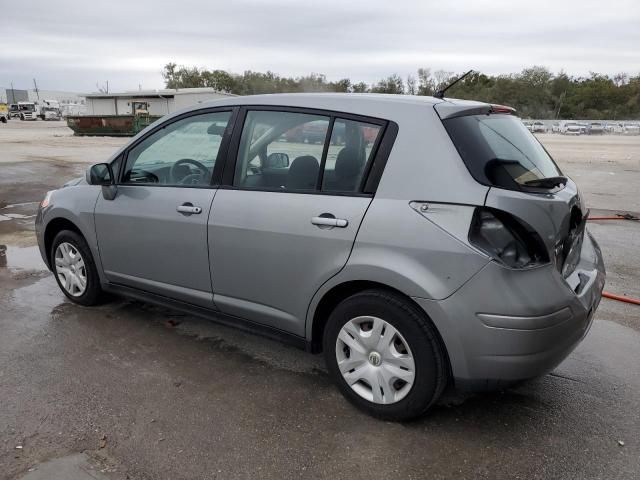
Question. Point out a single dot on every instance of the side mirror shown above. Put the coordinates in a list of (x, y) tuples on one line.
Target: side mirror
[(277, 160), (100, 174)]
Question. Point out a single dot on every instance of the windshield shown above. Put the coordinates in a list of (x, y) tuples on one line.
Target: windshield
[(27, 108), (498, 150)]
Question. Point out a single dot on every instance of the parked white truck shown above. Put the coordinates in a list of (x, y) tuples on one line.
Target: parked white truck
[(50, 110), (27, 111)]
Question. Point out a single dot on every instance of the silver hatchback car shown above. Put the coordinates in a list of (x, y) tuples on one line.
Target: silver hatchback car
[(417, 242)]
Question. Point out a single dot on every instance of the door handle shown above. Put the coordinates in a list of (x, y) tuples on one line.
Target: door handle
[(189, 209), (329, 221)]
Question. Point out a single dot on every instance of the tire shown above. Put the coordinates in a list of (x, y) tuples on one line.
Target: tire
[(415, 342), (72, 241)]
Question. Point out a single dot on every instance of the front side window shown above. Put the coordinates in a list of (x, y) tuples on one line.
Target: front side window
[(498, 150), (182, 153)]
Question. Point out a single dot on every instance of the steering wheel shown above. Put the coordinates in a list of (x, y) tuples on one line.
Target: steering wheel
[(191, 178)]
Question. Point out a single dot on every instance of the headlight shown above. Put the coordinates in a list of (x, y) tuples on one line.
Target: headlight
[(46, 200), (505, 239)]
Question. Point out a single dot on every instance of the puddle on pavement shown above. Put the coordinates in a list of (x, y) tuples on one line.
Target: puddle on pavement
[(78, 466), (38, 304), (21, 258)]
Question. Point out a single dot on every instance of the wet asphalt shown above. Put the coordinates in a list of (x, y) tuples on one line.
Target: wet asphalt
[(147, 393)]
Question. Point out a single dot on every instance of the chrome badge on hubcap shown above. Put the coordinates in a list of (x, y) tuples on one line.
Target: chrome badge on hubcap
[(375, 360)]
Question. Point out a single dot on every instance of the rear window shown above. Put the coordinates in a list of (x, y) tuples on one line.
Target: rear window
[(498, 150)]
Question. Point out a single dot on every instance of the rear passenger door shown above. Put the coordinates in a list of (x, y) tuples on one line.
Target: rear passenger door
[(287, 214)]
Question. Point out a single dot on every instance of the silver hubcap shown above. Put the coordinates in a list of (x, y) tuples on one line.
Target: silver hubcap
[(70, 269), (375, 360)]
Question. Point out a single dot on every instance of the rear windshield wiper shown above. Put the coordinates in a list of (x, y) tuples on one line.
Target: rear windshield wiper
[(549, 182)]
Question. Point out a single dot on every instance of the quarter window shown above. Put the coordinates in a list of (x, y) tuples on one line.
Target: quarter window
[(182, 153)]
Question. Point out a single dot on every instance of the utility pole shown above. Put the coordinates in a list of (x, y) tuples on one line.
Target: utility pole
[(13, 95), (35, 85), (562, 95)]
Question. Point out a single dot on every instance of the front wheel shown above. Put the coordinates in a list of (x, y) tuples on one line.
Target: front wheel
[(75, 269), (385, 355)]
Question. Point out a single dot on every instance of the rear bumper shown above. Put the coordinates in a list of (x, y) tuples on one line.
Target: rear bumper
[(507, 325)]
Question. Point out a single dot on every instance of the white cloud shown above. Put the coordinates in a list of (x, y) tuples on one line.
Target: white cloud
[(71, 45)]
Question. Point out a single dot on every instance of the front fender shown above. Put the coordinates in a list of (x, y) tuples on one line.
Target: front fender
[(76, 205)]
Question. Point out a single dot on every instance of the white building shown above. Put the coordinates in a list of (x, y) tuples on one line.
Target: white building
[(161, 102)]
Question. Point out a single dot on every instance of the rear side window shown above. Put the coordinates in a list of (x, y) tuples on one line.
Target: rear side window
[(281, 150), (349, 152), (498, 150), (306, 152)]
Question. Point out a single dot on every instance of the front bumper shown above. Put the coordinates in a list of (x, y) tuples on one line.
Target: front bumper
[(507, 325), (40, 237)]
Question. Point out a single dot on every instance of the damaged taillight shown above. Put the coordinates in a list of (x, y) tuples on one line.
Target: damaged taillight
[(506, 239)]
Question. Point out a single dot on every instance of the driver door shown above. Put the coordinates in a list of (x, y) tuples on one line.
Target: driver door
[(153, 235)]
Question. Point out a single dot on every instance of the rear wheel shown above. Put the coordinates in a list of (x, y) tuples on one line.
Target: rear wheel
[(75, 269), (385, 355)]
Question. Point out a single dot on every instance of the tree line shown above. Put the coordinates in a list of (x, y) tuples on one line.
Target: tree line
[(535, 92)]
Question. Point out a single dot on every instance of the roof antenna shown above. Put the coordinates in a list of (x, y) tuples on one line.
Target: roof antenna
[(440, 93)]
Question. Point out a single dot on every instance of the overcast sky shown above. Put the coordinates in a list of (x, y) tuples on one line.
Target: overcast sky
[(71, 45)]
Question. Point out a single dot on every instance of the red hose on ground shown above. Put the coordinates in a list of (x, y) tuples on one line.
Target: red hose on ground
[(619, 216), (613, 296), (620, 298)]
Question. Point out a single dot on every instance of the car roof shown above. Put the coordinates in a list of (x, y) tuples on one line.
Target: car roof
[(372, 104)]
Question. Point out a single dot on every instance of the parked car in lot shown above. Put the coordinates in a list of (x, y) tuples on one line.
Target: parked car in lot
[(555, 127), (450, 250), (630, 129), (539, 127), (314, 132), (528, 124), (613, 128), (571, 128), (595, 128)]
